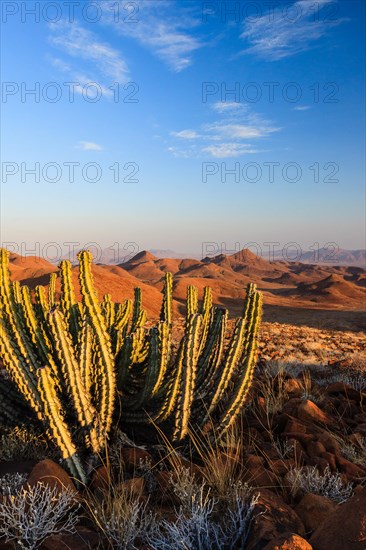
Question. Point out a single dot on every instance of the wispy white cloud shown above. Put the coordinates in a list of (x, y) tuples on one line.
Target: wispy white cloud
[(158, 28), (186, 134), (240, 131), (229, 136), (227, 106), (89, 146), (89, 59), (226, 150), (287, 30)]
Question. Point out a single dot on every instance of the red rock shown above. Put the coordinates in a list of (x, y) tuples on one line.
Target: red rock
[(321, 463), (272, 517), (298, 452), (294, 426), (315, 448), (329, 442), (134, 486), (288, 541), (268, 451), (304, 439), (252, 461), (165, 493), (341, 387), (132, 458), (331, 459), (313, 510), (221, 459), (258, 476), (101, 479), (293, 387), (345, 528), (83, 539), (50, 473), (309, 412), (281, 467), (353, 471), (292, 405)]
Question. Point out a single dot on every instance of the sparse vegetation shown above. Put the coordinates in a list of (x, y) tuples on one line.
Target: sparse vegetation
[(30, 514), (326, 484)]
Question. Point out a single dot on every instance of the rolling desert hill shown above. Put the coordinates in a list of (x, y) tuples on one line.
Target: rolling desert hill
[(292, 291)]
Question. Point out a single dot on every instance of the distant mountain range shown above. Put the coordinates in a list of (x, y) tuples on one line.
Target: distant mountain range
[(323, 256), (289, 288), (327, 256)]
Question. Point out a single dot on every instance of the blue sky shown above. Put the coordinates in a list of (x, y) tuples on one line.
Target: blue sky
[(226, 128)]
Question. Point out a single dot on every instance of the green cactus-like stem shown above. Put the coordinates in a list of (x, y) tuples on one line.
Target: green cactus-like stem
[(68, 302), (52, 290), (206, 312), (138, 314), (189, 363), (72, 377), (18, 370), (167, 305), (248, 362), (192, 300), (57, 427), (102, 342), (108, 311), (85, 356), (12, 321)]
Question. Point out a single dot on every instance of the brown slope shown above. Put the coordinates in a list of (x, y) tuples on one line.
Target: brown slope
[(143, 256), (247, 263), (30, 270), (120, 285), (333, 288)]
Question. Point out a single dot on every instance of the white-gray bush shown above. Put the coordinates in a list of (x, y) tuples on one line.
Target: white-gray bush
[(30, 514), (125, 522), (310, 480), (201, 526)]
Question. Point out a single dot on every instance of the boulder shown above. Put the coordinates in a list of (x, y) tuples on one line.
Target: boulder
[(50, 473), (345, 528), (82, 539), (272, 518), (313, 510), (288, 541), (132, 458), (309, 412)]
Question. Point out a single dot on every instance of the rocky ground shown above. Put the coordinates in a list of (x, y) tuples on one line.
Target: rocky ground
[(299, 452)]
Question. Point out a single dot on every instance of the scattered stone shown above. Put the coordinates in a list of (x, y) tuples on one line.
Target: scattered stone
[(132, 458), (50, 473), (315, 448), (309, 412), (288, 541), (293, 387), (259, 476), (83, 539), (313, 510), (272, 517), (134, 486), (345, 528), (353, 471), (101, 479)]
